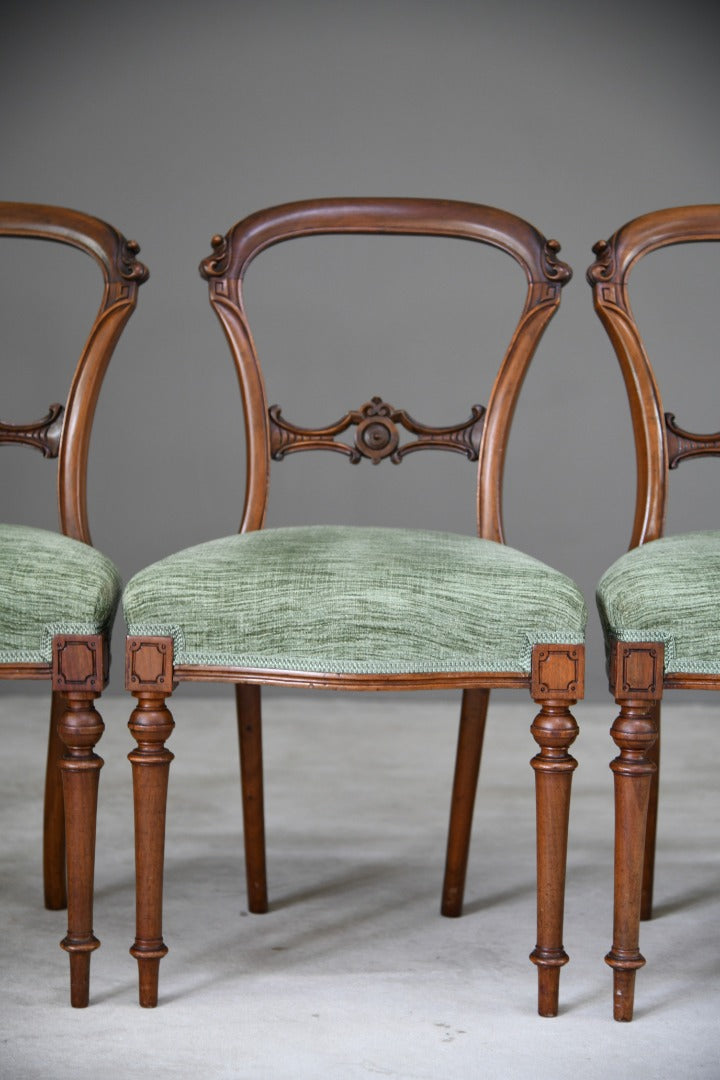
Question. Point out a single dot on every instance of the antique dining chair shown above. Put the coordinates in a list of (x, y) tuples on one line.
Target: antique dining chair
[(659, 602), (58, 595), (363, 608)]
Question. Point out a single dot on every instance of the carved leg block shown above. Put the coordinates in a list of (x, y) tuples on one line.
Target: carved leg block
[(54, 816), (148, 675), (467, 767), (554, 730), (634, 733), (251, 778)]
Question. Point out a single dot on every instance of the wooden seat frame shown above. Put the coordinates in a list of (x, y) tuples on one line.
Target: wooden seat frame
[(556, 680), (636, 670), (79, 667)]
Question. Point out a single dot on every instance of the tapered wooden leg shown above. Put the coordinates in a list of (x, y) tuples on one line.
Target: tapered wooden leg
[(151, 724), (653, 755), (80, 727), (467, 767), (251, 778), (54, 815), (554, 730), (634, 733)]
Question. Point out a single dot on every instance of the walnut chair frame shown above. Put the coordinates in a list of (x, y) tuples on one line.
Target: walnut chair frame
[(556, 681), (636, 669), (79, 668)]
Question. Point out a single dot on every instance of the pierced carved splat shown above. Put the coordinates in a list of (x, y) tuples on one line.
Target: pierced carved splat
[(377, 434), (685, 444), (43, 434)]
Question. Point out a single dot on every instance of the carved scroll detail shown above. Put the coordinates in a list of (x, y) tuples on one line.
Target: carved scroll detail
[(555, 268), (603, 268), (685, 444), (131, 268), (215, 265), (377, 434), (43, 434)]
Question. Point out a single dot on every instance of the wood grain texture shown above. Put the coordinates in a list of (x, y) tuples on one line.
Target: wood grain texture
[(270, 436), (79, 667), (637, 677)]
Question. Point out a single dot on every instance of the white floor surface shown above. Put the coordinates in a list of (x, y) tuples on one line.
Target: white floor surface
[(354, 973)]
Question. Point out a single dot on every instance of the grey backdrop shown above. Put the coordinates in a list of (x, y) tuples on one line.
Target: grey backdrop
[(174, 120)]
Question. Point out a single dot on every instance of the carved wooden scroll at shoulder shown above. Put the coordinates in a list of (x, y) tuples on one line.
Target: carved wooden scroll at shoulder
[(555, 268), (558, 671), (80, 662), (131, 269), (43, 434), (685, 444), (636, 670), (149, 663), (377, 434)]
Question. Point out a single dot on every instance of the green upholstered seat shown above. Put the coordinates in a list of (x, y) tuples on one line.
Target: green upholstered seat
[(668, 590), (50, 584), (355, 601)]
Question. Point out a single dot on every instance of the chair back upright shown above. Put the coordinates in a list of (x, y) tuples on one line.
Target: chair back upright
[(64, 433)]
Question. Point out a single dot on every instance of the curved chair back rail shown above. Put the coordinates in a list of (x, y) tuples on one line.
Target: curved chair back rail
[(267, 432), (65, 431), (659, 443)]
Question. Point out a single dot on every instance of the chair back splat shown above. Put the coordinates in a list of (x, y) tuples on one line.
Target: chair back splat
[(483, 437)]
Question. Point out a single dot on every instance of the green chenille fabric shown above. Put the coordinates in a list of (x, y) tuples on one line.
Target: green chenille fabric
[(350, 600), (669, 591), (50, 585)]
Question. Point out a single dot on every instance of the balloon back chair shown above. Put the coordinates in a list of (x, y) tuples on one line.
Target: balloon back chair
[(659, 602), (363, 608), (58, 595)]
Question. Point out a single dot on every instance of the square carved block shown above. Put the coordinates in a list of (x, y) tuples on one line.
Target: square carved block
[(149, 663), (558, 671), (636, 670), (79, 663)]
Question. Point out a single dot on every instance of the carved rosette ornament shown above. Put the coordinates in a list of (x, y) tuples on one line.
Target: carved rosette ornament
[(377, 436)]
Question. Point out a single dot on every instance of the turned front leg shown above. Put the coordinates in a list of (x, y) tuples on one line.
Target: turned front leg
[(151, 724), (634, 733), (554, 730), (79, 728)]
